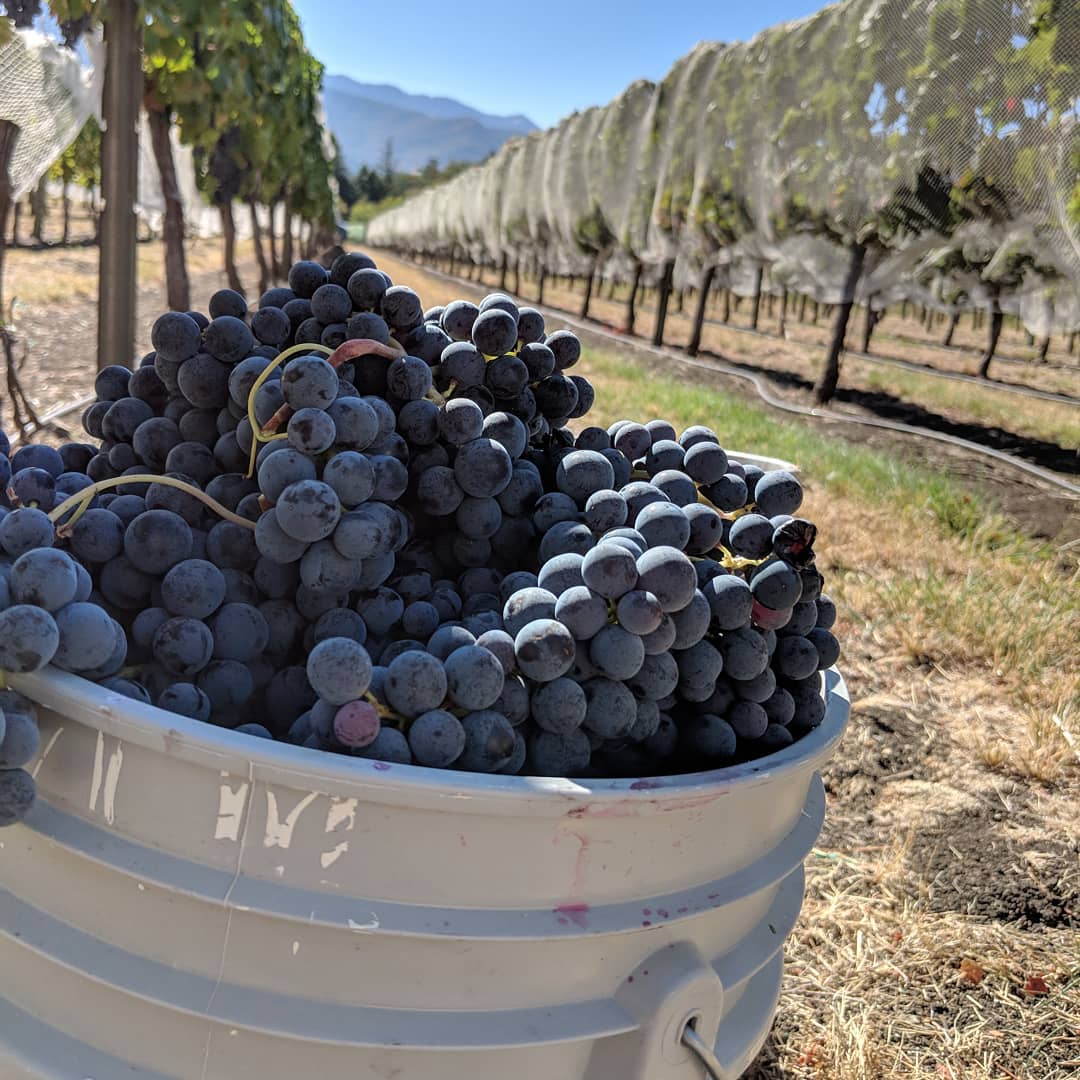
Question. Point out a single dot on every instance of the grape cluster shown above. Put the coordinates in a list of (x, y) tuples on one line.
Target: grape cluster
[(355, 525)]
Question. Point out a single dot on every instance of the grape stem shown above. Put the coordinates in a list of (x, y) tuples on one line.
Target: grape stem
[(346, 351), (81, 500), (386, 713), (256, 429)]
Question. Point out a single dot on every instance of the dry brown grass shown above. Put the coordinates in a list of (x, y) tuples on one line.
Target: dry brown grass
[(64, 275), (877, 986)]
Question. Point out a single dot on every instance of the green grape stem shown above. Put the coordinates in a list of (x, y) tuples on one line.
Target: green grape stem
[(81, 500)]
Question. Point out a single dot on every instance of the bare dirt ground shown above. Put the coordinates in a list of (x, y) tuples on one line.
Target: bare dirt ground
[(940, 937)]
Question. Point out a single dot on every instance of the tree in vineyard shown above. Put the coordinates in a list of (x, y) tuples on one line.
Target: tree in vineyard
[(79, 164)]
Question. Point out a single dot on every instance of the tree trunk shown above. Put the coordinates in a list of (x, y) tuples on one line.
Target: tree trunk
[(121, 99), (1070, 348), (540, 282), (260, 254), (16, 215), (727, 306), (177, 285), (679, 300), (830, 374), (1044, 348), (66, 203), (631, 300), (589, 278), (502, 273), (611, 289), (699, 316), (816, 312), (662, 302), (954, 318), (1029, 338), (996, 319), (802, 307), (756, 309), (781, 328), (228, 230), (930, 320), (868, 325), (39, 207), (275, 265), (770, 305), (286, 241)]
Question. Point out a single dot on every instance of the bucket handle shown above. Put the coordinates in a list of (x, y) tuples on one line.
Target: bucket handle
[(693, 1041), (673, 998)]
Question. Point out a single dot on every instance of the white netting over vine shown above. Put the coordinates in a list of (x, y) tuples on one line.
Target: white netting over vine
[(49, 93), (941, 139)]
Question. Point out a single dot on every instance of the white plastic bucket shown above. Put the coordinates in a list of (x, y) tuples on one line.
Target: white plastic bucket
[(189, 902)]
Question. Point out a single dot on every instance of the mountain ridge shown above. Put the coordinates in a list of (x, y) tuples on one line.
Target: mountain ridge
[(363, 116)]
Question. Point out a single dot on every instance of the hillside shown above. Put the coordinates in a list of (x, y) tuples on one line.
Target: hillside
[(364, 115)]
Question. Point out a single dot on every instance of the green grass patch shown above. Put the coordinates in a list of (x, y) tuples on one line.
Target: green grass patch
[(863, 473)]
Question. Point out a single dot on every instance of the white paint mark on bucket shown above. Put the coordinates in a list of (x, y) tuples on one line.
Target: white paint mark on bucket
[(278, 832), (230, 811), (341, 812), (328, 858), (372, 925), (112, 779)]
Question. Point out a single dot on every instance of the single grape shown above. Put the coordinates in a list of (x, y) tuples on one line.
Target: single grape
[(559, 706), (415, 683), (489, 741), (437, 739)]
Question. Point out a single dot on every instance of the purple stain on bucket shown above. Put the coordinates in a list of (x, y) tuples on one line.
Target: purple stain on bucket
[(646, 784), (576, 913), (645, 922), (646, 911), (662, 912), (382, 766)]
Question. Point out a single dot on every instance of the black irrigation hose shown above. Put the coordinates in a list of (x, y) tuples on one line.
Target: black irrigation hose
[(766, 395)]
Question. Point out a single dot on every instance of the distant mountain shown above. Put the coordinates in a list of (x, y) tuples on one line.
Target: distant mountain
[(364, 115)]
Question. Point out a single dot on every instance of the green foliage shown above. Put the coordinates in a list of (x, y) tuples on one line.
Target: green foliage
[(244, 91), (80, 163)]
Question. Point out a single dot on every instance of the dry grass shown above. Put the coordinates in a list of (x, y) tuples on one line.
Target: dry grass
[(64, 275), (876, 986)]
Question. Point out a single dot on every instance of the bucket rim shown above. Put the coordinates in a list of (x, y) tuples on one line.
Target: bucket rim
[(207, 746)]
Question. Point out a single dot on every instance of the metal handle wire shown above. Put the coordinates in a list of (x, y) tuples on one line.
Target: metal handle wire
[(693, 1041)]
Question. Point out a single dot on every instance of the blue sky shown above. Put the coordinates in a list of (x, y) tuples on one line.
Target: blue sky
[(544, 58)]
